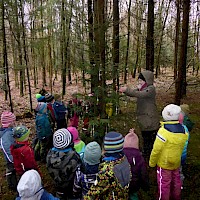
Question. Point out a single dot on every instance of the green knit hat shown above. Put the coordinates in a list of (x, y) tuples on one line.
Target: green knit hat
[(21, 133), (38, 96)]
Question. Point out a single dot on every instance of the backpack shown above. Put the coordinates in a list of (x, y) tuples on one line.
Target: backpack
[(62, 167), (60, 110), (112, 181), (43, 126)]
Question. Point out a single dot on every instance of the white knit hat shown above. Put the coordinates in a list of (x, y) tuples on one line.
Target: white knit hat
[(62, 138), (30, 186), (171, 112)]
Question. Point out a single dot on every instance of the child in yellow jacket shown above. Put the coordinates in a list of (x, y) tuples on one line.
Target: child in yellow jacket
[(166, 153)]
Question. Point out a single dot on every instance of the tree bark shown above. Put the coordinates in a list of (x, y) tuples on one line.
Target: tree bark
[(127, 44), (25, 53), (115, 44), (5, 58), (150, 37), (176, 37), (181, 83)]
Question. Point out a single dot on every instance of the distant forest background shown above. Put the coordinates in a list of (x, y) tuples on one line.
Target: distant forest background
[(99, 42)]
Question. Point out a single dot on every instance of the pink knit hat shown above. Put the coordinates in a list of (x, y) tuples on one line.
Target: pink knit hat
[(131, 140), (7, 118), (75, 134)]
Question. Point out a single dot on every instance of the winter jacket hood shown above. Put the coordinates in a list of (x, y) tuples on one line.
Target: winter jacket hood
[(149, 77), (30, 186)]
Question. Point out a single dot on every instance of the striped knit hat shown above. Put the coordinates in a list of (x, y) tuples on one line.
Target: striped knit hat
[(62, 138), (7, 118), (113, 142), (49, 97), (21, 133)]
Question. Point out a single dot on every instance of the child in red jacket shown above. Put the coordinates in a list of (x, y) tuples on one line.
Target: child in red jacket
[(22, 152)]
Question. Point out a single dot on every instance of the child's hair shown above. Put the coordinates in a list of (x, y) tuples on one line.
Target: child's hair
[(185, 108), (7, 119), (57, 97), (21, 133)]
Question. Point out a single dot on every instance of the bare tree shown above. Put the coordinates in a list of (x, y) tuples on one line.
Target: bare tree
[(150, 37), (5, 57), (181, 82)]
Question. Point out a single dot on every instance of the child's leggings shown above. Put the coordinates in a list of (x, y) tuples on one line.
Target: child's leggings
[(169, 184)]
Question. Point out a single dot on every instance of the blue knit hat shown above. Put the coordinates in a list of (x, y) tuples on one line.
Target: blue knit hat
[(40, 98), (92, 153), (113, 142)]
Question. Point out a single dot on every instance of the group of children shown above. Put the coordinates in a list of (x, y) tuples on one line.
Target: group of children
[(115, 170)]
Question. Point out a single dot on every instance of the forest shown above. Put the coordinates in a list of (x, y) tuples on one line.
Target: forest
[(83, 47)]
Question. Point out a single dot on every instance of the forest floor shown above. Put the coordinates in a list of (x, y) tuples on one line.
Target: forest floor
[(122, 123)]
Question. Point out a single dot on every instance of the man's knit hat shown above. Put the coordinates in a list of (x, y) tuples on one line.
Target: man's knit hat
[(171, 112), (49, 97), (30, 186), (113, 142), (131, 140), (21, 133), (74, 133), (92, 153), (7, 118), (62, 138)]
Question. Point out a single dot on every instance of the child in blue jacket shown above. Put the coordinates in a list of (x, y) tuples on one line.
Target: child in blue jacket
[(43, 131), (6, 140)]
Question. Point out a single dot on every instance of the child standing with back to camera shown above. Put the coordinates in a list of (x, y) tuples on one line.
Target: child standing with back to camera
[(166, 153), (6, 140)]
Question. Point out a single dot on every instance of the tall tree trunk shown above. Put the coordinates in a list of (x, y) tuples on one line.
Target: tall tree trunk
[(94, 75), (150, 37), (99, 71), (19, 48), (115, 44), (42, 58), (197, 41), (66, 35), (25, 53), (64, 51), (138, 43), (5, 58), (181, 83), (127, 44), (176, 37), (161, 38)]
